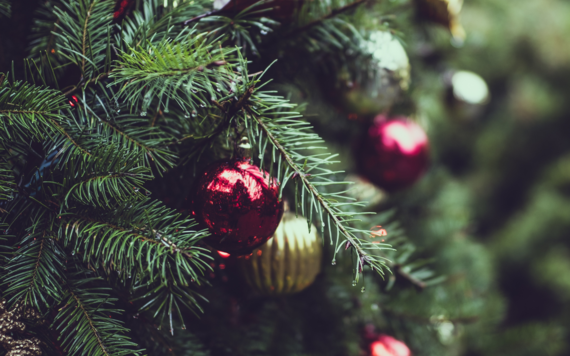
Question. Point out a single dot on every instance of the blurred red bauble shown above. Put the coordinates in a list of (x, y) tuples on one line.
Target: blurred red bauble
[(394, 153), (121, 9), (239, 206), (388, 346), (281, 10)]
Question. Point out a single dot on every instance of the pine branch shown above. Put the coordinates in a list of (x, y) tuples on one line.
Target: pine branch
[(35, 272), (82, 40), (167, 300), (84, 323), (188, 69), (319, 21), (113, 177), (144, 238), (27, 111), (7, 179), (153, 22)]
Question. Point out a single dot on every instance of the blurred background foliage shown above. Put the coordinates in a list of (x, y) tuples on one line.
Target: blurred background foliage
[(511, 168)]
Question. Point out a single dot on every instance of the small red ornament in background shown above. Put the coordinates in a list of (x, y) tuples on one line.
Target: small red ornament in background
[(121, 8), (394, 153), (281, 10), (388, 346), (239, 204), (74, 101)]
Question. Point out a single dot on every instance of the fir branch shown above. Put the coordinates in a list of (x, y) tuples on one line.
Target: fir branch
[(83, 41), (7, 179), (27, 111), (167, 300), (84, 323), (82, 38), (145, 140), (114, 176), (188, 69), (34, 273), (144, 238), (319, 21)]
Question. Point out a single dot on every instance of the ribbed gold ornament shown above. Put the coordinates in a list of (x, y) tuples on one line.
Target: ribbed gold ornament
[(286, 263)]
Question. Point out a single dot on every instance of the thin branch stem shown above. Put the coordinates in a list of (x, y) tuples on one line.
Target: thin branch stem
[(85, 35), (199, 17), (93, 328), (94, 80), (37, 265), (407, 276)]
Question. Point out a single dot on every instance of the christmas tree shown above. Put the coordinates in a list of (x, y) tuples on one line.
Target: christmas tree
[(286, 177)]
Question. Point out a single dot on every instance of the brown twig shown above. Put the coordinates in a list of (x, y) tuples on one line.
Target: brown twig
[(93, 328), (78, 86), (198, 18), (85, 35), (398, 269)]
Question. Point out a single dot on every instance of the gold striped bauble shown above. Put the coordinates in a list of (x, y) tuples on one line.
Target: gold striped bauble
[(286, 263)]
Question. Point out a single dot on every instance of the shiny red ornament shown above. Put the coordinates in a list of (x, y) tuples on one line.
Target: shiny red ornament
[(282, 10), (394, 153), (239, 204), (388, 346)]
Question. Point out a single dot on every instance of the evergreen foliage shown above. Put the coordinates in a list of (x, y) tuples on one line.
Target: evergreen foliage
[(113, 117)]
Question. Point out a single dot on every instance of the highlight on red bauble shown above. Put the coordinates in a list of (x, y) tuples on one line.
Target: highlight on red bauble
[(239, 204), (223, 254), (394, 153), (388, 346)]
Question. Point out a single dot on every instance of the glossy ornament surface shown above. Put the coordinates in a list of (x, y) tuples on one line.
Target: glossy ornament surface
[(442, 12), (239, 206), (376, 89), (287, 263), (388, 346), (282, 10), (394, 153)]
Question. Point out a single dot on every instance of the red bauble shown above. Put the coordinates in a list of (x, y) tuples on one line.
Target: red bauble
[(281, 10), (239, 206), (121, 9), (394, 153), (388, 346)]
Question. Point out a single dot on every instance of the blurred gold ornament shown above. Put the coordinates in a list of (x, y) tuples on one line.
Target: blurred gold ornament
[(288, 262), (378, 87), (443, 12)]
